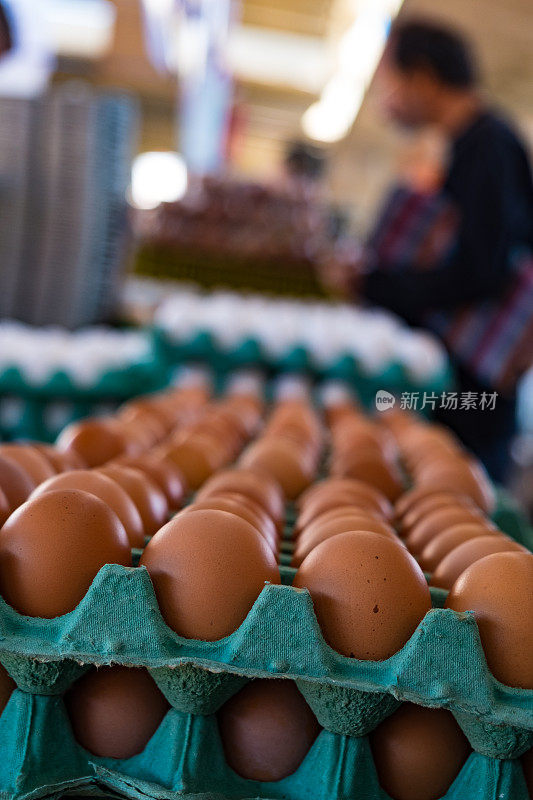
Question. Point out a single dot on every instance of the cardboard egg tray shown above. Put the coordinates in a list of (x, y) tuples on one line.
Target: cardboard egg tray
[(118, 621)]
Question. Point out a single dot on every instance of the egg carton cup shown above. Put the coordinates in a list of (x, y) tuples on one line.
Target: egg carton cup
[(184, 760), (442, 665)]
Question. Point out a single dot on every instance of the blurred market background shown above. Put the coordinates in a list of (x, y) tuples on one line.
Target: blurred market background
[(171, 173)]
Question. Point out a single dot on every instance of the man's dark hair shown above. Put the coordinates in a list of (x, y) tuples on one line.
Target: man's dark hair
[(435, 48), (6, 40)]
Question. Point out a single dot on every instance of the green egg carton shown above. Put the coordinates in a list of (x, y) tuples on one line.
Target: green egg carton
[(41, 411), (442, 665), (202, 346), (184, 760)]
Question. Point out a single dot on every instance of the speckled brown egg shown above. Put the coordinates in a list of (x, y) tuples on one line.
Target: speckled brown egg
[(368, 592), (267, 729), (439, 547), (461, 557), (96, 440), (107, 490), (30, 460), (438, 521), (163, 472), (418, 752), (115, 711), (499, 590), (7, 686), (52, 547), (15, 482), (318, 531), (145, 493), (208, 569)]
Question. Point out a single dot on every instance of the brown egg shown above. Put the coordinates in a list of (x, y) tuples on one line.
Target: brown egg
[(341, 511), (96, 440), (432, 503), (163, 472), (372, 469), (356, 489), (290, 468), (115, 711), (411, 498), (7, 686), (437, 521), (52, 547), (499, 590), (461, 557), (331, 500), (219, 503), (439, 547), (317, 532), (249, 504), (145, 493), (197, 458), (29, 459), (15, 482), (107, 490), (5, 509), (147, 421), (369, 594), (462, 478), (418, 752), (267, 729), (527, 766), (60, 462), (261, 488), (208, 569)]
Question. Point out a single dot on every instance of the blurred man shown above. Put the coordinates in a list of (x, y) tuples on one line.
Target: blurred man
[(483, 214)]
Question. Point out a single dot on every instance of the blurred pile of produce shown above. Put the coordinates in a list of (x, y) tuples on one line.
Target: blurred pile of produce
[(241, 235)]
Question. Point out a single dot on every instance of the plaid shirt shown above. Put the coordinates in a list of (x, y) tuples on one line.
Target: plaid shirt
[(493, 339)]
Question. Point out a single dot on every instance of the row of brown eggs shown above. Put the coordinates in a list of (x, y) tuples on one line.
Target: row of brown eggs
[(289, 448), (364, 450), (127, 437), (444, 522), (266, 731)]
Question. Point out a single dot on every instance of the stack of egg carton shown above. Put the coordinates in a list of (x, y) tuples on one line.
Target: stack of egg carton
[(118, 621), (64, 162)]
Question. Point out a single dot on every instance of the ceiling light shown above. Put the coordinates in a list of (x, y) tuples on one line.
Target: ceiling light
[(157, 177)]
